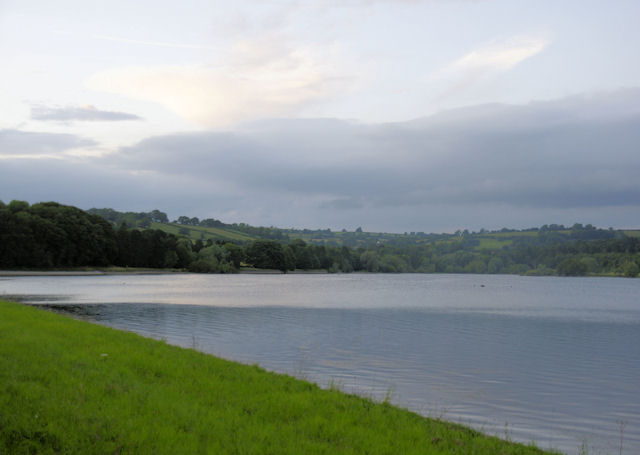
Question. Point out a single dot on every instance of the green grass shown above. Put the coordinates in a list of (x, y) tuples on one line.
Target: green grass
[(68, 386), (632, 233), (492, 243), (510, 234), (204, 233)]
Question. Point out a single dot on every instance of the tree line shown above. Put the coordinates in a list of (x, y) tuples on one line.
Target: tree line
[(131, 219), (52, 235)]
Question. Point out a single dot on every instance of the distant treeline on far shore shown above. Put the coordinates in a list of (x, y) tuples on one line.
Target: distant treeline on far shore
[(50, 235)]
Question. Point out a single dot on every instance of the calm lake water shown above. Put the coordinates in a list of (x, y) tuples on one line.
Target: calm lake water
[(553, 360)]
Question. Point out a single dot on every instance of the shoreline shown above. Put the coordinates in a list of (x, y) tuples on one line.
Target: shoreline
[(247, 271), (19, 273), (126, 393), (134, 271)]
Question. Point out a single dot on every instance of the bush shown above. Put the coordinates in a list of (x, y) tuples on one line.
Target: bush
[(630, 269), (572, 267), (204, 266)]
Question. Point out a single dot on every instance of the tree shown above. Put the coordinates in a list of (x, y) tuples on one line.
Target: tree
[(211, 259), (289, 258), (184, 252), (235, 254), (572, 267), (631, 269), (210, 222), (197, 246), (393, 264), (495, 265), (170, 259), (304, 259), (18, 206), (158, 216), (370, 262), (266, 254)]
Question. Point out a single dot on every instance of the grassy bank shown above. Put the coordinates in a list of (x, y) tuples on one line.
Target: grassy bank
[(67, 386)]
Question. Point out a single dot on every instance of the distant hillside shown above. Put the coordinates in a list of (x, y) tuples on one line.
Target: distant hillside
[(216, 230), (548, 250), (204, 233), (51, 235), (191, 228)]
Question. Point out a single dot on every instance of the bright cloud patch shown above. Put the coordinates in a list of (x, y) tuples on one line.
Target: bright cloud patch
[(500, 56), (486, 61), (255, 80)]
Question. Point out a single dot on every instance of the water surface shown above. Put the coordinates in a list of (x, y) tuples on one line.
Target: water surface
[(554, 360)]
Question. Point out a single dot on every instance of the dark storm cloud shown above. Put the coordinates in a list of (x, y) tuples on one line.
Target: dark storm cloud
[(16, 142), (73, 113), (570, 153)]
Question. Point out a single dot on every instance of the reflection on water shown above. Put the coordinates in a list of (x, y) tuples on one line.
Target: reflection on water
[(558, 360)]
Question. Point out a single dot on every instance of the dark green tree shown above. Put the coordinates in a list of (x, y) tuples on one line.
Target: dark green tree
[(572, 267), (266, 254)]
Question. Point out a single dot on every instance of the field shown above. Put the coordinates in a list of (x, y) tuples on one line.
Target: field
[(203, 233), (68, 386), (492, 243)]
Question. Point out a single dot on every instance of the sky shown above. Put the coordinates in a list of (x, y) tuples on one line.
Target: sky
[(390, 115)]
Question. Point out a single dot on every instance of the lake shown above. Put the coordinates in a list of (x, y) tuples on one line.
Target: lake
[(548, 359)]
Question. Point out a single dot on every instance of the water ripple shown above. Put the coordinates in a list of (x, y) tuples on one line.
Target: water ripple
[(549, 359)]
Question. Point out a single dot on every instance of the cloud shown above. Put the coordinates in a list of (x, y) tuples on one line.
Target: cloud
[(256, 79), (568, 160), (87, 185), (500, 55), (83, 113), (16, 143), (540, 155), (490, 59), (342, 204)]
